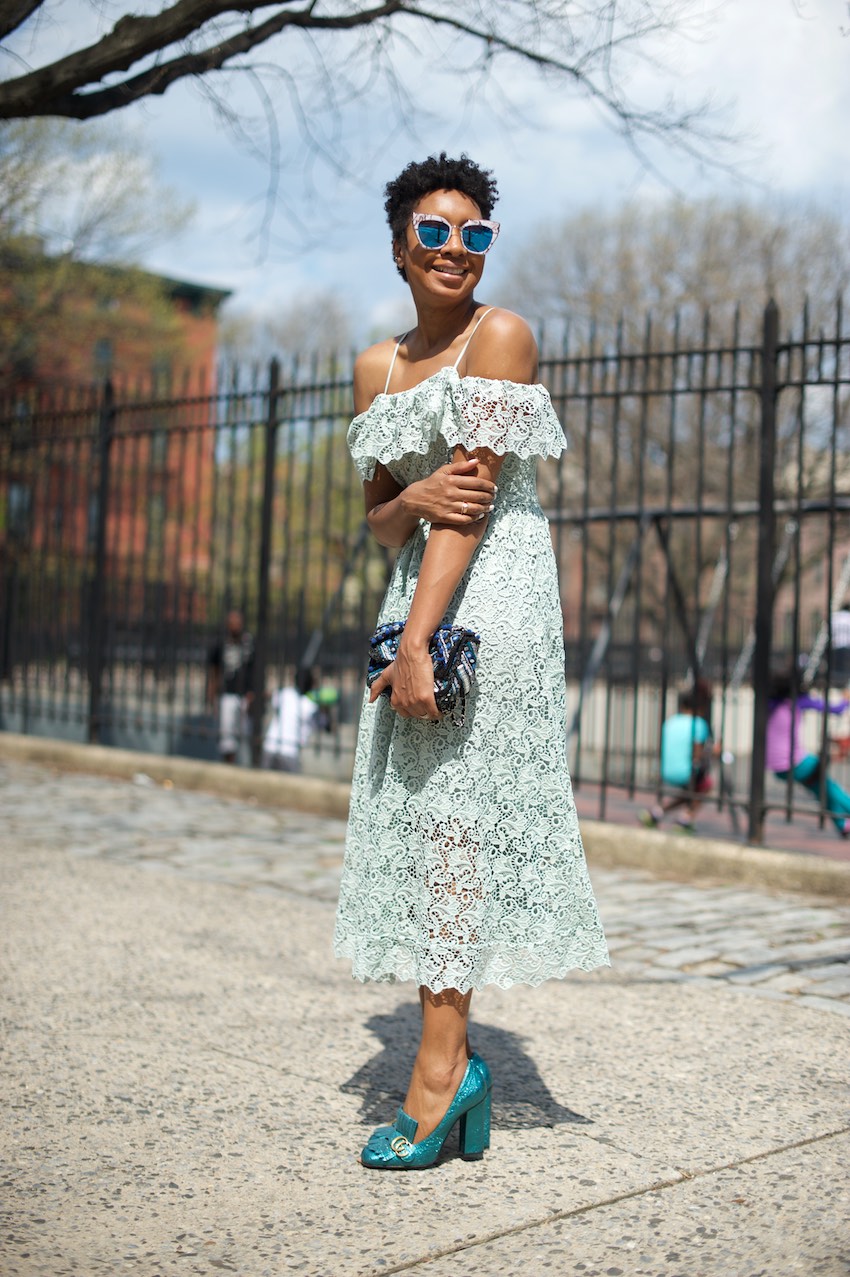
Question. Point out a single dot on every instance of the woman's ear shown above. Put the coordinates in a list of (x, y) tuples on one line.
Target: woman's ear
[(398, 259)]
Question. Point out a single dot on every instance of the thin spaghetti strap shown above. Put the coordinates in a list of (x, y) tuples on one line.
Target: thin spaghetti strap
[(471, 335), (392, 362)]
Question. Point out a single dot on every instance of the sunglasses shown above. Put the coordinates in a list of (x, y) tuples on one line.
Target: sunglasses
[(433, 232)]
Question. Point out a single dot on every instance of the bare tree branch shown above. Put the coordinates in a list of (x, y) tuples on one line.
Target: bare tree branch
[(588, 44), (56, 89), (15, 13)]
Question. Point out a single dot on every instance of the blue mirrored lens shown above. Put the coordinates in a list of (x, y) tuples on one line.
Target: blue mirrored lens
[(432, 234), (477, 238)]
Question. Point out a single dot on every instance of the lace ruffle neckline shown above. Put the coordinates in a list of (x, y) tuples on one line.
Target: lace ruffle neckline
[(474, 412)]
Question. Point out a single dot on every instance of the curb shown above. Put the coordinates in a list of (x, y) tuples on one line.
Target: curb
[(689, 859), (666, 855), (277, 789)]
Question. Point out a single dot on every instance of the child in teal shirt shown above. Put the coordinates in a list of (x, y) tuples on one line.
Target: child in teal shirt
[(686, 748)]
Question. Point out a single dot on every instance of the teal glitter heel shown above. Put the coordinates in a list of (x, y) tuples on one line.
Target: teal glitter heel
[(394, 1148), (474, 1131)]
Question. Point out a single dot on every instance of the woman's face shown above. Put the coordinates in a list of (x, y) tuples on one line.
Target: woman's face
[(450, 272)]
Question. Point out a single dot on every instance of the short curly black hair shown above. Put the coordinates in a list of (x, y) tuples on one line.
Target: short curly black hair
[(437, 173)]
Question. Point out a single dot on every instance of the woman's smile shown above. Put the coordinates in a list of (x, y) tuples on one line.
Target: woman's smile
[(451, 263)]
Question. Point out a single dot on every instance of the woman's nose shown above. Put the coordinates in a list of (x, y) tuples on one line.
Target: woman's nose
[(454, 244)]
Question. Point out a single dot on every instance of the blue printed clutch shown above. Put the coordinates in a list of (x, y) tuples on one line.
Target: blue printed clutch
[(454, 653)]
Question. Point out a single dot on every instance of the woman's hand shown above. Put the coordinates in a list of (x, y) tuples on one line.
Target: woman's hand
[(410, 678), (455, 495)]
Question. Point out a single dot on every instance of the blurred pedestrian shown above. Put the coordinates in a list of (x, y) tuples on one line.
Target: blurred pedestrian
[(785, 753), (686, 752), (230, 677), (839, 624), (295, 717)]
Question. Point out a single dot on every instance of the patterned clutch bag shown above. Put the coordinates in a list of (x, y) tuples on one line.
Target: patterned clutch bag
[(454, 654)]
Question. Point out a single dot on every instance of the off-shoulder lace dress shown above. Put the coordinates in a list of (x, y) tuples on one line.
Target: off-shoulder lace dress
[(464, 863)]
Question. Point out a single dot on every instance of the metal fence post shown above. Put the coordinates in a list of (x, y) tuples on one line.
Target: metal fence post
[(765, 586), (97, 613), (262, 628)]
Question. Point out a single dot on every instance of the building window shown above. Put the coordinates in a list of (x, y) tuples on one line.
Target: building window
[(19, 511), (103, 356), (159, 448), (92, 522), (156, 525), (161, 373)]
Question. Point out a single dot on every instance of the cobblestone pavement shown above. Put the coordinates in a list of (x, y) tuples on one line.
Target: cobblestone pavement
[(776, 945)]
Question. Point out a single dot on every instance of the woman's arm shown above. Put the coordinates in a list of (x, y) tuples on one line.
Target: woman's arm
[(806, 701), (444, 561), (509, 353), (456, 494), (459, 494)]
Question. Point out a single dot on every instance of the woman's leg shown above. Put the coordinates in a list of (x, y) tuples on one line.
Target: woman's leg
[(441, 1059), (422, 992), (836, 801)]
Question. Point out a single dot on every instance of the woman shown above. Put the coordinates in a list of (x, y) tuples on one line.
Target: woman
[(786, 755), (464, 864)]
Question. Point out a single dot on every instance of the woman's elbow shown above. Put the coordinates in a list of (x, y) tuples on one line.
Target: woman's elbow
[(384, 535)]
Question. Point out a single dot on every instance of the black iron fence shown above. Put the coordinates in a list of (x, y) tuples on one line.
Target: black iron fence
[(701, 521)]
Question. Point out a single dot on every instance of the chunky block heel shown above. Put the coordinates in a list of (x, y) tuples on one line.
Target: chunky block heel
[(394, 1148), (474, 1130)]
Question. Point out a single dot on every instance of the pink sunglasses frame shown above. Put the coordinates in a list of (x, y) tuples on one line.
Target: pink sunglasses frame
[(417, 218)]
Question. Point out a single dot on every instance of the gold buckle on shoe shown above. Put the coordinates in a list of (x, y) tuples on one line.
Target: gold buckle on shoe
[(400, 1146)]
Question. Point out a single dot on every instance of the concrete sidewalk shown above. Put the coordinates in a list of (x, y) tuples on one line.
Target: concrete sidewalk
[(608, 842), (190, 1074)]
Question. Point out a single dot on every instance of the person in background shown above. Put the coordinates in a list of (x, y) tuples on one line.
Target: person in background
[(686, 752), (785, 753), (840, 638), (230, 677), (295, 717)]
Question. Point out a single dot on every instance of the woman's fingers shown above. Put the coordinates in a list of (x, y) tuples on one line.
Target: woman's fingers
[(381, 683), (471, 498), (413, 684), (454, 494), (422, 708)]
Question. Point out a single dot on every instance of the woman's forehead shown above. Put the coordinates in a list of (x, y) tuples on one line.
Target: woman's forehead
[(448, 204)]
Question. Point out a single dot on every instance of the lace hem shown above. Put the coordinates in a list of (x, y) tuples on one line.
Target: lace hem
[(412, 973), (473, 412)]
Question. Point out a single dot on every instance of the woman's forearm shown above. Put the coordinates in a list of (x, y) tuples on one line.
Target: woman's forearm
[(457, 495), (392, 522), (444, 561)]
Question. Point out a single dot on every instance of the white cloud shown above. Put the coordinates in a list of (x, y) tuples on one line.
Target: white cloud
[(787, 73)]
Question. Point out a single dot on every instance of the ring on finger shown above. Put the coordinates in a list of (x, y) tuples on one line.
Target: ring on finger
[(463, 507)]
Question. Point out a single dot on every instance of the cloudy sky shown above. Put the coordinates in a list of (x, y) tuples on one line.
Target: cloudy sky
[(778, 72)]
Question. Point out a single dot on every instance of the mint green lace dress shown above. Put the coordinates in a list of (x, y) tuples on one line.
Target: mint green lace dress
[(464, 863)]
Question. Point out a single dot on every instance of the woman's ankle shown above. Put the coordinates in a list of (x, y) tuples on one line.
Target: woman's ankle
[(439, 1070)]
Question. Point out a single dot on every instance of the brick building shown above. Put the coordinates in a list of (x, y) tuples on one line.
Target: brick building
[(91, 482)]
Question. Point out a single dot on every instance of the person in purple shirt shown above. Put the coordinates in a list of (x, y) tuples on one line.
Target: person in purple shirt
[(785, 753)]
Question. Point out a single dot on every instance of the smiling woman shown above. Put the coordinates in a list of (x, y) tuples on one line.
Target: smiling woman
[(464, 863)]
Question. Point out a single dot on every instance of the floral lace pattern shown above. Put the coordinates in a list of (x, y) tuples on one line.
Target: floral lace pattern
[(475, 412), (464, 864)]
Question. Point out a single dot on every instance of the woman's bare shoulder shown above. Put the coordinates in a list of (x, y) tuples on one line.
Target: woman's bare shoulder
[(503, 347), (370, 372)]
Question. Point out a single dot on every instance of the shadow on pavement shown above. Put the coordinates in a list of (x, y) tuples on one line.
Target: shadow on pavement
[(521, 1099)]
